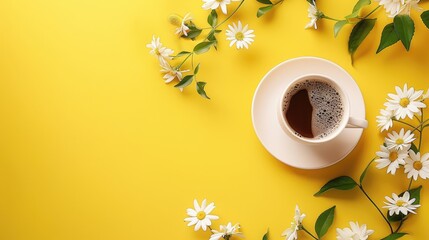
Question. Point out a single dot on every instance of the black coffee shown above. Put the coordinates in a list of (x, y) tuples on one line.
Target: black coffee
[(313, 109)]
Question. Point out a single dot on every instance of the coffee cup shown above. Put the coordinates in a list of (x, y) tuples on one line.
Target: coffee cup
[(314, 109)]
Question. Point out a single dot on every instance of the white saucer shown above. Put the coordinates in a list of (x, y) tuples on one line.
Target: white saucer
[(276, 141)]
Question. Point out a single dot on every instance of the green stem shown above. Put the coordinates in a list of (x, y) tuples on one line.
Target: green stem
[(375, 9), (278, 2), (180, 65), (421, 132), (329, 18), (404, 123), (400, 225), (309, 233), (226, 19), (409, 185), (375, 205)]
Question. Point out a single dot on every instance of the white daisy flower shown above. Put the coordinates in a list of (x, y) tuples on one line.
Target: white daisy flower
[(162, 53), (408, 5), (355, 232), (402, 204), (182, 29), (384, 121), (171, 73), (314, 15), (392, 7), (214, 4), (417, 166), (239, 35), (226, 232), (391, 158), (199, 216), (292, 232), (399, 141), (405, 102)]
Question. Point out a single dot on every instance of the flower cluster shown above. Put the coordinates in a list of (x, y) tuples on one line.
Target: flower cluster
[(238, 34), (200, 218), (399, 148)]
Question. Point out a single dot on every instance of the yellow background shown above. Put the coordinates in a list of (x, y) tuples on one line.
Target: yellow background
[(95, 146)]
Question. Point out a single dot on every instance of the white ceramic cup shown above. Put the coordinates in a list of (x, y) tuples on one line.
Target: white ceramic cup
[(346, 121)]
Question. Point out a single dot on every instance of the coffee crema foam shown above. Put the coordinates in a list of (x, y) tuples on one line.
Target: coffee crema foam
[(328, 109)]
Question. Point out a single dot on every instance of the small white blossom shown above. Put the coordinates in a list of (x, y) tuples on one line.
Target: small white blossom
[(199, 216), (402, 204), (171, 73), (214, 4), (162, 53), (426, 95), (292, 232), (391, 158), (226, 231), (384, 121), (408, 5), (399, 141), (182, 29), (392, 7), (314, 15), (239, 35), (417, 166), (406, 102), (355, 232)]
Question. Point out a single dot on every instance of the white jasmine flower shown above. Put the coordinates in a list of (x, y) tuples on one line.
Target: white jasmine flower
[(199, 216), (226, 232), (292, 232), (392, 7), (402, 204), (391, 158), (171, 73), (426, 95), (162, 53), (355, 232), (214, 4), (405, 102), (384, 121), (182, 29), (417, 166), (239, 35), (408, 5), (314, 14), (399, 141)]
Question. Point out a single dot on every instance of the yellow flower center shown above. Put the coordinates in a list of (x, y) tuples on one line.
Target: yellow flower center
[(417, 165), (399, 141), (157, 52), (393, 156), (239, 36), (201, 215), (404, 102), (400, 203)]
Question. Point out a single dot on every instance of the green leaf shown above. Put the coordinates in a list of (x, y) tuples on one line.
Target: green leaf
[(212, 18), (359, 33), (265, 1), (340, 183), (404, 27), (182, 53), (197, 68), (414, 193), (324, 221), (356, 9), (263, 10), (414, 148), (338, 25), (200, 89), (394, 236), (425, 18), (185, 81), (193, 33), (266, 235), (202, 47), (388, 37), (362, 176)]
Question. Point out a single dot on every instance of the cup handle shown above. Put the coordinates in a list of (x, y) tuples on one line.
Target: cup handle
[(357, 123)]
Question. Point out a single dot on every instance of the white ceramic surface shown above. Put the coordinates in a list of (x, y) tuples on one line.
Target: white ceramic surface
[(276, 141)]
